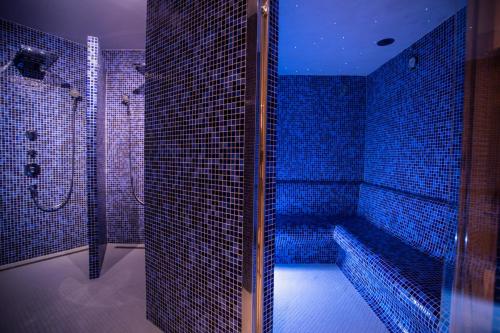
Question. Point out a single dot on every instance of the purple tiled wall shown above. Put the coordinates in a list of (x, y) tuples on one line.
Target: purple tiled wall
[(101, 171), (195, 136), (125, 216), (44, 106), (102, 148)]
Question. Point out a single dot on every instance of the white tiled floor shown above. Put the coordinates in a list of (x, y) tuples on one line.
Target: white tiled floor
[(319, 299), (56, 295)]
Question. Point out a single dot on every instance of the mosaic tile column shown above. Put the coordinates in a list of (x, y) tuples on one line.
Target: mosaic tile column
[(96, 93), (196, 160), (270, 218)]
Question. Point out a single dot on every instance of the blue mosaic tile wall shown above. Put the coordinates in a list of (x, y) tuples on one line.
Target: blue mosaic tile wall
[(44, 106), (408, 183), (125, 216), (96, 104), (413, 138), (320, 132), (305, 239), (194, 165), (320, 162)]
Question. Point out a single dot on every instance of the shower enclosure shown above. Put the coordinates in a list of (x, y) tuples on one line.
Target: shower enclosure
[(43, 144), (72, 165)]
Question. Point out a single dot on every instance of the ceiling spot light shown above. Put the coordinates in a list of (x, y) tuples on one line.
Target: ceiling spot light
[(385, 41)]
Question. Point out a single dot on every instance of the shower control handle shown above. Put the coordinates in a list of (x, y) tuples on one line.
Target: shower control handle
[(31, 135), (32, 170), (32, 153), (33, 191)]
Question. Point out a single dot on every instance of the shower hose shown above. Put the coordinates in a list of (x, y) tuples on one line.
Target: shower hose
[(132, 183), (75, 96)]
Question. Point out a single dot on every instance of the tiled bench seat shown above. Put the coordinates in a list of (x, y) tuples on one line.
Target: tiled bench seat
[(304, 239), (401, 284)]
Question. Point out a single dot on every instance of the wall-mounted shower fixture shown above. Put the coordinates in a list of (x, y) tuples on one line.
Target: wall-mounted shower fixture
[(31, 135), (33, 170), (32, 153), (141, 68), (75, 94), (32, 62), (3, 68), (126, 102)]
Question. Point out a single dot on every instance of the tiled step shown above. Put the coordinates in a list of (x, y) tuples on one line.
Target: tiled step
[(403, 285), (305, 239)]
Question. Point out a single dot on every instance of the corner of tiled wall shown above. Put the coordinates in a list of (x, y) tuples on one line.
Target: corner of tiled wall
[(194, 162), (97, 233)]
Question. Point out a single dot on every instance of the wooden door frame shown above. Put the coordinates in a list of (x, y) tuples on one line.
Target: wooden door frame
[(473, 292)]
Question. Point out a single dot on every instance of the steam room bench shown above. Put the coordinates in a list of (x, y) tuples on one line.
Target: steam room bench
[(400, 283)]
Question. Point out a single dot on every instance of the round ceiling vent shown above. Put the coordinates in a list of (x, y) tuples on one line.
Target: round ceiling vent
[(385, 41)]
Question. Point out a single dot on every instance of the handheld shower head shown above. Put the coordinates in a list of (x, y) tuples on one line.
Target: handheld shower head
[(125, 99), (74, 93)]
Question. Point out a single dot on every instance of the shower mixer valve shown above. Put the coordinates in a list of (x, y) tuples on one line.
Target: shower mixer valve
[(33, 190), (31, 135), (32, 170), (32, 153)]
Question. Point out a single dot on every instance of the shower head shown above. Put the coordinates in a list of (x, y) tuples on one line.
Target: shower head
[(141, 68), (32, 62), (74, 93), (125, 99)]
